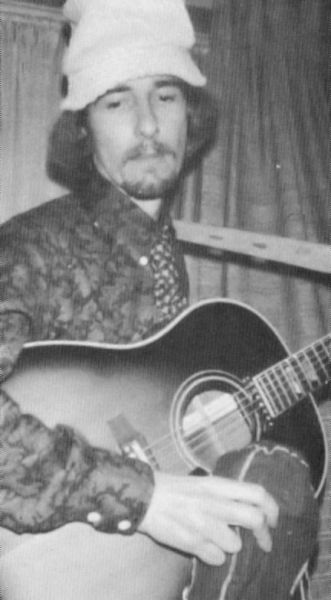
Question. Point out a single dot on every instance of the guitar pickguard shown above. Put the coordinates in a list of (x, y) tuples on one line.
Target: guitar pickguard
[(130, 442)]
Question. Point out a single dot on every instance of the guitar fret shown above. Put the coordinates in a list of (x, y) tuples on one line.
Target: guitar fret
[(278, 389), (280, 394), (289, 392), (286, 383), (325, 351), (318, 364), (265, 396), (274, 385), (294, 383), (273, 398), (302, 368), (310, 368), (312, 374)]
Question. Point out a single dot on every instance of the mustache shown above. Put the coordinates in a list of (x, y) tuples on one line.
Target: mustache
[(145, 149)]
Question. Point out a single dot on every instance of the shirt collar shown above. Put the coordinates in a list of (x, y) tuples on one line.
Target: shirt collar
[(116, 216)]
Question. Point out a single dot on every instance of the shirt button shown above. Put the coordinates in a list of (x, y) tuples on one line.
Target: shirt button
[(94, 518), (143, 261), (124, 525)]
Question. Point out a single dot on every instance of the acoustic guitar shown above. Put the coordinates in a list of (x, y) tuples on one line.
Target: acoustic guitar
[(216, 378)]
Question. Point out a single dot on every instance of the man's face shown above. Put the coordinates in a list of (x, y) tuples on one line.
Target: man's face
[(139, 133)]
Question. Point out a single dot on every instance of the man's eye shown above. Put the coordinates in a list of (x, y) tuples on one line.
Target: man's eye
[(113, 104), (167, 97)]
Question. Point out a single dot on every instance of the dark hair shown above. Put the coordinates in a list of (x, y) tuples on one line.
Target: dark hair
[(69, 159)]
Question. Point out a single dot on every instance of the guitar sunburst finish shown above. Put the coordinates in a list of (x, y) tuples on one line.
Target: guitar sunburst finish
[(218, 377)]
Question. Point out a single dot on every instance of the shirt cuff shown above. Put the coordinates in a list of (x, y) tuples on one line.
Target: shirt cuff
[(114, 496)]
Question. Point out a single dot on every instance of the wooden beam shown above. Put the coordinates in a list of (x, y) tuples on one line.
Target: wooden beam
[(297, 253)]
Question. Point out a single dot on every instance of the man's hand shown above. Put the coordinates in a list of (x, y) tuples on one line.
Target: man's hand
[(197, 515)]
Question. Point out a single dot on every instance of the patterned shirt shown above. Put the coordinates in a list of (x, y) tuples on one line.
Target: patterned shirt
[(82, 270)]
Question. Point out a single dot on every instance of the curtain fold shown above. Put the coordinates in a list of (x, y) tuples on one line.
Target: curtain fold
[(268, 172), (30, 60)]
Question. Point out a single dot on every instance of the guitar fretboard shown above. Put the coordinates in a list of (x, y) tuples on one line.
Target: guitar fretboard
[(290, 380)]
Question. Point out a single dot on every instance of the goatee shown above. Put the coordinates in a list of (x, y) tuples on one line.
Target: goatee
[(151, 190)]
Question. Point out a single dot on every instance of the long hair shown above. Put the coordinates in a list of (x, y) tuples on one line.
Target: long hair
[(69, 159)]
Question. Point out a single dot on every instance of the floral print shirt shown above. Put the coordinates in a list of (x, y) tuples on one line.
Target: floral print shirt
[(72, 269)]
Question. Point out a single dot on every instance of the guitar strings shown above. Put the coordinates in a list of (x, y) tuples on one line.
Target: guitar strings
[(273, 381), (249, 408), (228, 424)]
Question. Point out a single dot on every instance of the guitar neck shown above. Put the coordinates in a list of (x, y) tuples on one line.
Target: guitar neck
[(291, 380)]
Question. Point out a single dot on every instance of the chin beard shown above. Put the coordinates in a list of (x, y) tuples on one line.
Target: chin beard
[(151, 190)]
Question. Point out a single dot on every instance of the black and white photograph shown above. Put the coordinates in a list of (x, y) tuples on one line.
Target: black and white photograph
[(165, 300)]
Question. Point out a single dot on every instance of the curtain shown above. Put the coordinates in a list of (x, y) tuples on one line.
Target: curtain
[(30, 59), (268, 173)]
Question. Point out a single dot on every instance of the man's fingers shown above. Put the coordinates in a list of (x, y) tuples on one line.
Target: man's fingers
[(263, 538), (224, 516), (234, 513), (210, 542), (220, 534), (211, 554), (246, 494), (199, 515)]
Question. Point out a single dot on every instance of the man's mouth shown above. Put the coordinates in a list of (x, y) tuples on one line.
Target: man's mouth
[(154, 151), (150, 156)]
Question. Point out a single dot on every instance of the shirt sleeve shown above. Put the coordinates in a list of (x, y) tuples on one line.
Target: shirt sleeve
[(50, 477), (15, 291), (14, 332)]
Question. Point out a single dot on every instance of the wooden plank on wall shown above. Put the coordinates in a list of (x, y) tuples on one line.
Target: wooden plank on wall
[(296, 253)]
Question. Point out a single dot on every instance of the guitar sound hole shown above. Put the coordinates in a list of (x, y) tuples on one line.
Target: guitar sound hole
[(208, 421)]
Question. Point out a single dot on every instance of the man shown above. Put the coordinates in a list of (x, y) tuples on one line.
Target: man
[(102, 264)]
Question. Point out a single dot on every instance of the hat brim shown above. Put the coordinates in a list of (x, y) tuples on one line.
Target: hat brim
[(95, 75)]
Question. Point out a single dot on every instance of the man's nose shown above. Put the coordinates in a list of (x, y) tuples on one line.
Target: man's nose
[(147, 122)]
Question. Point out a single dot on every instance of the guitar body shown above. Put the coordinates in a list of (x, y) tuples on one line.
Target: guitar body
[(156, 400)]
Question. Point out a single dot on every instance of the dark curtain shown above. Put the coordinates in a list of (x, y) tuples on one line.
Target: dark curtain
[(269, 172)]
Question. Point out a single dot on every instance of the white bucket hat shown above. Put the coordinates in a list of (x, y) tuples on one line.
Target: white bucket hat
[(117, 40)]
